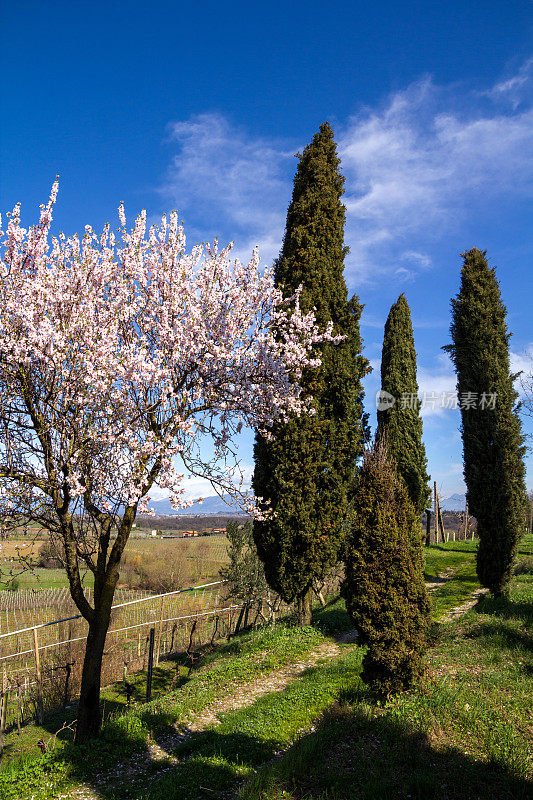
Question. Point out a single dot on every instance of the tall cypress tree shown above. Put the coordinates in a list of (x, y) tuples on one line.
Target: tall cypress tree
[(401, 423), (493, 442), (306, 470)]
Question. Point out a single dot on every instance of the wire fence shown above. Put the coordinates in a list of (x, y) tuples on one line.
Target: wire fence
[(41, 662)]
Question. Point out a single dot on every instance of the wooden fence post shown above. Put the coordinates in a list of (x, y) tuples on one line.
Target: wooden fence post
[(150, 666), (238, 625), (3, 711), (441, 521), (19, 706), (428, 527), (439, 524), (39, 707), (158, 650), (436, 512)]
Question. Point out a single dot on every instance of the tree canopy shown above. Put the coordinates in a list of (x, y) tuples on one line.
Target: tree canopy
[(493, 443), (401, 423)]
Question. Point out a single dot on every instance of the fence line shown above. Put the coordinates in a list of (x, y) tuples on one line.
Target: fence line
[(119, 630), (60, 670), (211, 612), (119, 605)]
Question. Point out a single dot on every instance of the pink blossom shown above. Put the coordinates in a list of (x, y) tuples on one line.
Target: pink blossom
[(117, 358)]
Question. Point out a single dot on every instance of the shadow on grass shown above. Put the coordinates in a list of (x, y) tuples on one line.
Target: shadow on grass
[(498, 634), (354, 757), (332, 619), (350, 756), (505, 608), (465, 549)]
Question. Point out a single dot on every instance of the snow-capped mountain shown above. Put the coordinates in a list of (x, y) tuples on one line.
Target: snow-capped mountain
[(210, 505), (456, 502)]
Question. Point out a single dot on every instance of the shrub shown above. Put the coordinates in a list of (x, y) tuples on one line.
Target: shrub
[(384, 584), (51, 555)]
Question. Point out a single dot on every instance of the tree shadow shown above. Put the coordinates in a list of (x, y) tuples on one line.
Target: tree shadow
[(332, 619), (502, 636), (505, 608), (351, 756), (452, 549)]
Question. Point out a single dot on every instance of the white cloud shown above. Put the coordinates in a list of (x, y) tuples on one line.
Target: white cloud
[(523, 361), (522, 365), (228, 181), (195, 486), (416, 167), (436, 386), (512, 87)]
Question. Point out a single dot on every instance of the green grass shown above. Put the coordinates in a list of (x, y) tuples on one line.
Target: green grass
[(41, 578), (246, 738), (457, 560), (440, 557), (467, 733), (128, 731)]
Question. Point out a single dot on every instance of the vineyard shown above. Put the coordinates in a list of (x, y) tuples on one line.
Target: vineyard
[(42, 640), (42, 635)]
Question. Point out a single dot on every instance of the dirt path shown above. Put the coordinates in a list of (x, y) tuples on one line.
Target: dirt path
[(136, 770), (442, 578), (458, 611)]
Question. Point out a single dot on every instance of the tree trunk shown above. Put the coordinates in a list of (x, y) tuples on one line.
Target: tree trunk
[(304, 608), (89, 714)]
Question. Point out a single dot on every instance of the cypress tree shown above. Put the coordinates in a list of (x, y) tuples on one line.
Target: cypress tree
[(384, 581), (306, 470), (493, 443), (401, 423)]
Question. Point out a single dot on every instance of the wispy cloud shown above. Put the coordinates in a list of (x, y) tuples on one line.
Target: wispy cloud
[(511, 89), (436, 385), (227, 182), (416, 167)]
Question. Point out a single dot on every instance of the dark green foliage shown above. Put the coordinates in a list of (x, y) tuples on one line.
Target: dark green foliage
[(307, 470), (384, 586), (402, 424), (493, 443), (244, 573)]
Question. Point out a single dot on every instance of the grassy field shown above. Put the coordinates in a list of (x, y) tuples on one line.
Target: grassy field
[(467, 733), (195, 559)]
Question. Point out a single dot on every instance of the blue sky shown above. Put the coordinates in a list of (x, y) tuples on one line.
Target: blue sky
[(203, 108)]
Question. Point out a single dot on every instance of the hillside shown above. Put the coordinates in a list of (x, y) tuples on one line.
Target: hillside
[(282, 713)]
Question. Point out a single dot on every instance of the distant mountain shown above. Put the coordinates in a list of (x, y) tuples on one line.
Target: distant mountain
[(210, 505), (456, 502)]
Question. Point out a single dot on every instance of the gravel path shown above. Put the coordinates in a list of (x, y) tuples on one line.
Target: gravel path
[(135, 771)]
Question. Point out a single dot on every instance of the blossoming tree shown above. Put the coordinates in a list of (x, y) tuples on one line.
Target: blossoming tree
[(116, 358)]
